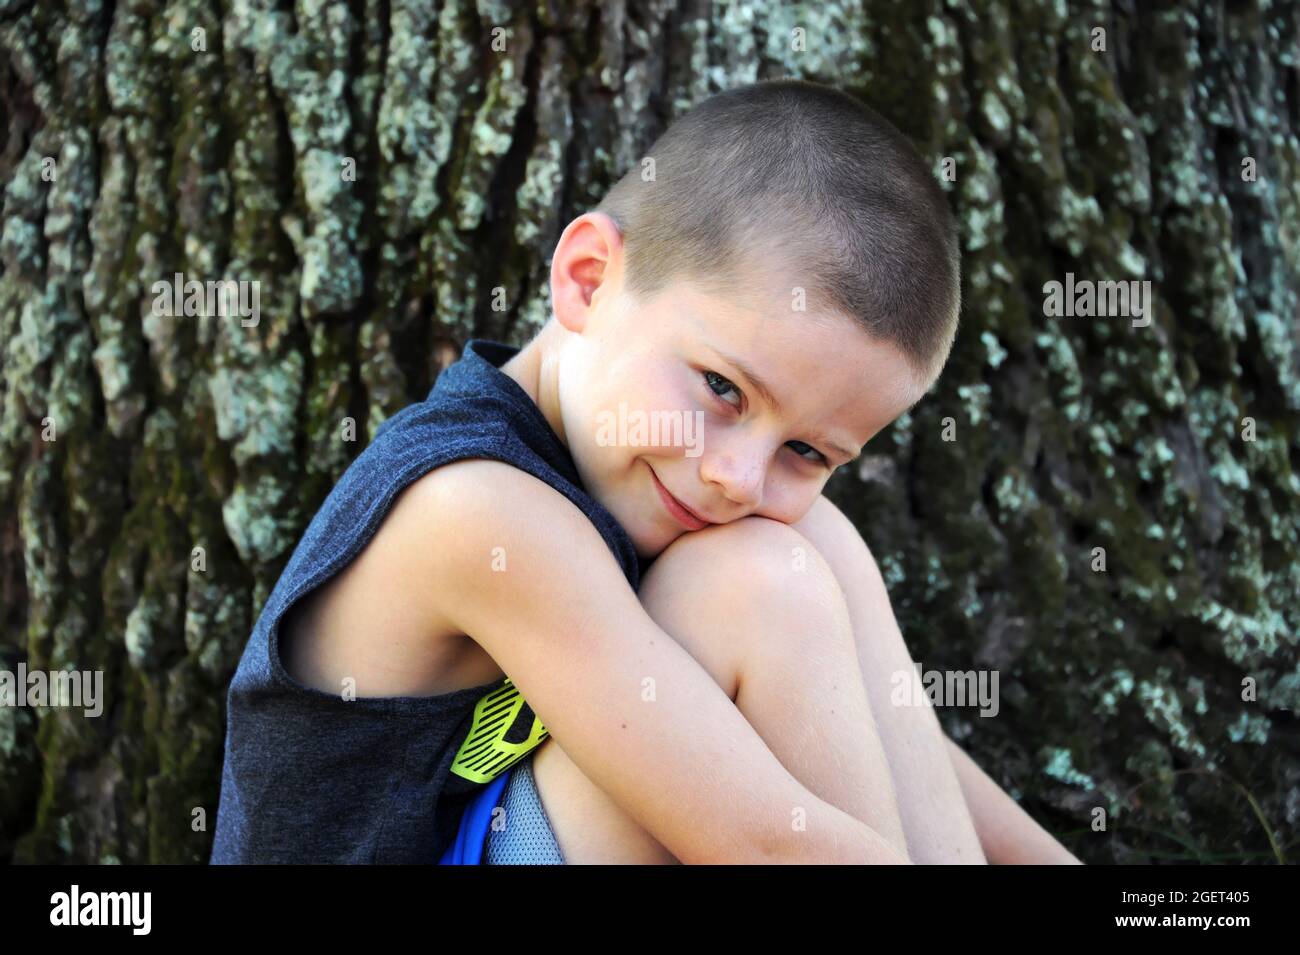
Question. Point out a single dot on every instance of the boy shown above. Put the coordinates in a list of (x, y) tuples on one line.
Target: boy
[(704, 631)]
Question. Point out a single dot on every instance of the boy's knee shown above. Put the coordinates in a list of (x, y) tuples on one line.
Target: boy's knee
[(751, 553), (754, 575)]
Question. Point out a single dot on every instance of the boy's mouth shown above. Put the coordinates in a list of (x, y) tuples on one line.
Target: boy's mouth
[(679, 511)]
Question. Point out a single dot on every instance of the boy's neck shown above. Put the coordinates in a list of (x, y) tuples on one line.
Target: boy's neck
[(536, 368)]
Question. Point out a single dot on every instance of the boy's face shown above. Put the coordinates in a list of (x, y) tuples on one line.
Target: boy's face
[(664, 395)]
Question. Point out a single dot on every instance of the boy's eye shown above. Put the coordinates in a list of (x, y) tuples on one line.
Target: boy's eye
[(819, 457), (711, 378), (720, 386)]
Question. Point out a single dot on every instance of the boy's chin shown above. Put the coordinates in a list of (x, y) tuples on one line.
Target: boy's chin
[(649, 537), (650, 534), (649, 540)]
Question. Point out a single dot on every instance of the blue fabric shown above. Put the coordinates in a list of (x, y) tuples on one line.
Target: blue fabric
[(311, 777), (471, 838)]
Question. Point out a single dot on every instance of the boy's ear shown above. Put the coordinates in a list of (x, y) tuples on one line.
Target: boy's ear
[(587, 268)]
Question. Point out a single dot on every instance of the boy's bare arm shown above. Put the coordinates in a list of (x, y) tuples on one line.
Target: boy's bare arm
[(1008, 834), (563, 623)]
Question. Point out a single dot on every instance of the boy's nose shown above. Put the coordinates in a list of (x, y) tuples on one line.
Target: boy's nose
[(740, 476)]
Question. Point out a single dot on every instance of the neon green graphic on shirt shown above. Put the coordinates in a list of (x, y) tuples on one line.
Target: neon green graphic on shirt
[(486, 754)]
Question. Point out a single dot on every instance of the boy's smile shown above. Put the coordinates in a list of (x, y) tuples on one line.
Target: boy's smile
[(783, 397), (687, 517)]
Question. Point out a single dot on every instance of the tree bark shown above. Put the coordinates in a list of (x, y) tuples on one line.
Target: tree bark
[(128, 439)]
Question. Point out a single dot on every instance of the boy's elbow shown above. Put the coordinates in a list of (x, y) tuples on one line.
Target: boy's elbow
[(839, 840)]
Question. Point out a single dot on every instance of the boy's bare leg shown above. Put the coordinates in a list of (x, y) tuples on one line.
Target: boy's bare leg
[(937, 820), (760, 610)]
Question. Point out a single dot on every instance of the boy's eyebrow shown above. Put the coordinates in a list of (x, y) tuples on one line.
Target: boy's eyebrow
[(761, 386), (754, 378)]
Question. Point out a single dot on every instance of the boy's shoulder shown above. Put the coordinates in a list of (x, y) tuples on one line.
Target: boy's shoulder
[(466, 519), (451, 525), (465, 480), (457, 497), (388, 618), (462, 504)]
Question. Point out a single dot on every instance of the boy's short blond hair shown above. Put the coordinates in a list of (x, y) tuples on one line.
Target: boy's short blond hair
[(806, 172)]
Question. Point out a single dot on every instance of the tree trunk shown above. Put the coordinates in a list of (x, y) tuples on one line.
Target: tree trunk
[(147, 139)]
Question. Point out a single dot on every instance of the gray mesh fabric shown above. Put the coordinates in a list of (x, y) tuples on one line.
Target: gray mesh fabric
[(527, 838)]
